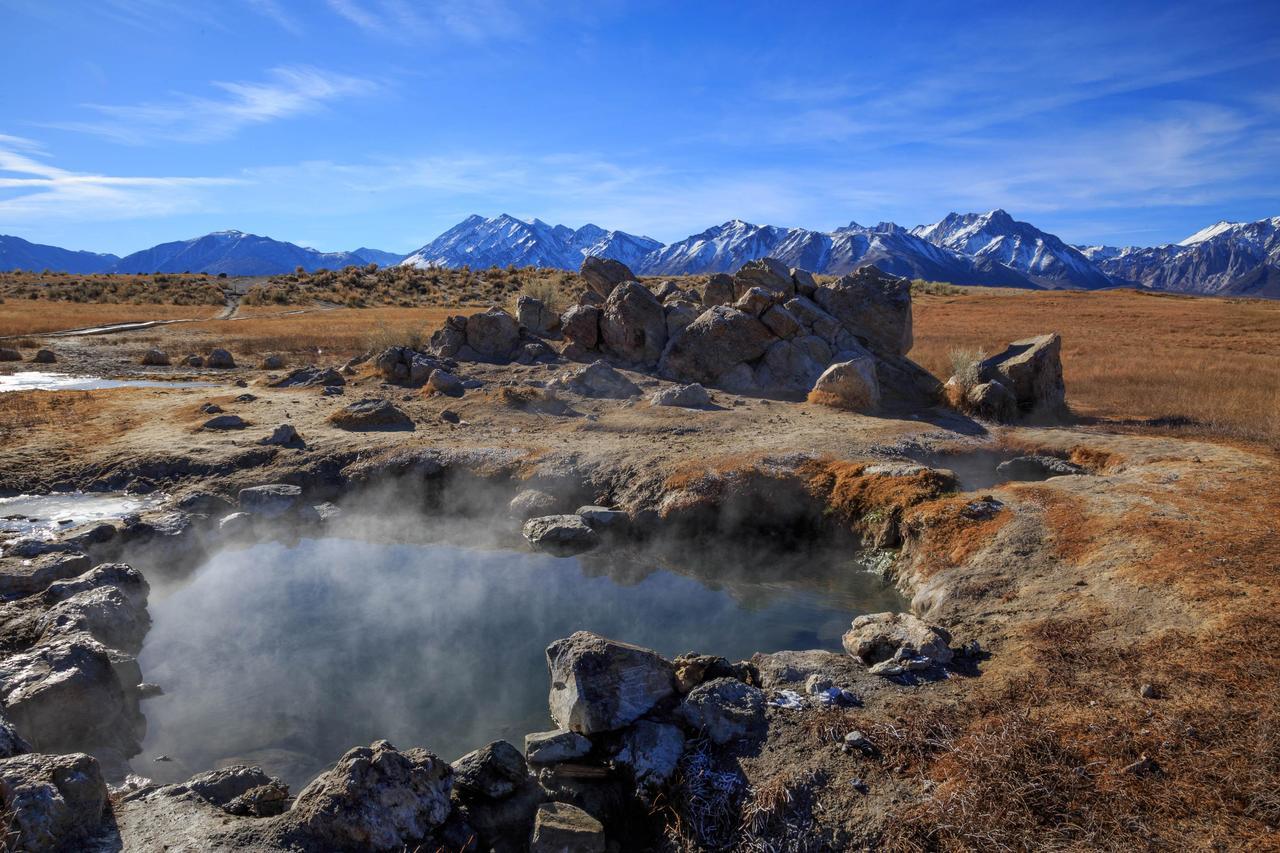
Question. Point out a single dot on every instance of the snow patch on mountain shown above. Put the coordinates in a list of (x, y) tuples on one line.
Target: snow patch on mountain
[(505, 240)]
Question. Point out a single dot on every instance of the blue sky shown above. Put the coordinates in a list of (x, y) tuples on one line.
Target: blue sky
[(342, 123)]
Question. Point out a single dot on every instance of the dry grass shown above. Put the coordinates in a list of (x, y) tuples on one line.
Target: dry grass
[(1199, 365), (33, 316)]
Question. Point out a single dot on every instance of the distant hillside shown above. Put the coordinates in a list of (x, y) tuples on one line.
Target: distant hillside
[(18, 254)]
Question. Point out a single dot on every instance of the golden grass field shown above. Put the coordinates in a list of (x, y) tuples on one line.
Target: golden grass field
[(1130, 355), (33, 316)]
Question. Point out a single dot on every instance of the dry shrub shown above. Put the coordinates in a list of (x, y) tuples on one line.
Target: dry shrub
[(965, 364)]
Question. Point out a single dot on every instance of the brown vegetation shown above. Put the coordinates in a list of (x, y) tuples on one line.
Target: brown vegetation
[(1192, 364), (157, 289), (34, 316)]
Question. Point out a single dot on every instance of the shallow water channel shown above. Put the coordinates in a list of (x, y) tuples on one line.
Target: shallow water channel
[(286, 656), (38, 380), (44, 516)]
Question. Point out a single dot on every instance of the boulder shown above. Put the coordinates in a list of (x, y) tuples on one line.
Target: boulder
[(285, 435), (873, 306), (44, 356), (450, 338), (560, 534), (851, 385), (64, 693), (767, 273), (10, 354), (220, 358), (104, 613), (718, 341), (496, 825), (581, 326), (597, 379), (555, 746), (1037, 467), (679, 315), (600, 685), (651, 751), (269, 800), (493, 771), (725, 709), (603, 518), (602, 275), (755, 301), (666, 290), (633, 326), (444, 382), (270, 501), (51, 802), (563, 828), (788, 368), (155, 358), (223, 785), (813, 319), (193, 361), (804, 281), (375, 798), (27, 576), (719, 291), (532, 503), (991, 400), (781, 321), (225, 422), (692, 396), (272, 362), (310, 377), (1032, 370), (897, 639), (536, 316), (493, 334), (371, 413)]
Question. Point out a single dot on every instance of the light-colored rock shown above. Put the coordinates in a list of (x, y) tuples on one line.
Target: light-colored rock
[(536, 316), (581, 325), (692, 396), (788, 368), (767, 273), (555, 746), (725, 710), (1032, 371), (874, 306), (32, 575), (376, 798), (603, 518), (651, 751), (877, 638), (755, 301), (850, 385), (494, 771), (560, 534), (597, 379), (270, 501), (563, 828), (602, 275), (781, 321), (633, 326), (990, 400), (493, 334), (719, 340), (52, 802), (600, 685), (445, 383), (223, 785), (679, 315), (532, 503)]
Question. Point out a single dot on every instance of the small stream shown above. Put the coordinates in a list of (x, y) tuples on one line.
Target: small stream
[(286, 656), (37, 380), (45, 516)]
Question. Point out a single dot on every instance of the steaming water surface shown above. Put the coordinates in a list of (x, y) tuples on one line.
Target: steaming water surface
[(287, 656)]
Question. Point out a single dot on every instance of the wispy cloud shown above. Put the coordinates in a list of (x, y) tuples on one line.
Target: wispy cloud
[(272, 10), (289, 91), (400, 20), (34, 190)]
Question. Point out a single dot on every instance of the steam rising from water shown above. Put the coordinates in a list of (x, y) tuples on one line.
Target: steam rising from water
[(287, 656)]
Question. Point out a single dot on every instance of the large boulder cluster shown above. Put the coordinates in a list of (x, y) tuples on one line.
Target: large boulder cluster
[(765, 330)]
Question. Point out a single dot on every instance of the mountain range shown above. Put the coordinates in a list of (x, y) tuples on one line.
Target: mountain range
[(1227, 258)]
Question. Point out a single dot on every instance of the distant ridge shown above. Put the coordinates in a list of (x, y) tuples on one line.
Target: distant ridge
[(993, 248)]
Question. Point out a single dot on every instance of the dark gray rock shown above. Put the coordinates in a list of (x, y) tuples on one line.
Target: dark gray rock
[(581, 325), (1032, 371), (602, 275), (555, 746), (873, 306), (768, 274), (225, 422), (633, 326), (270, 501), (220, 358), (651, 752), (370, 414), (536, 316), (493, 771), (285, 435), (725, 710), (603, 518), (155, 358), (44, 356), (493, 335), (444, 382), (564, 828), (719, 291), (310, 376), (1037, 467)]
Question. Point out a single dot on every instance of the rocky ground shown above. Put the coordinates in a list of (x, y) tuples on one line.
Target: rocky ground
[(1087, 664)]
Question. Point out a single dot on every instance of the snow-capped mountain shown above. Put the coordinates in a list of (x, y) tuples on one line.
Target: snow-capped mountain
[(505, 240), (18, 254), (999, 238), (377, 256), (1237, 258), (891, 247), (234, 253)]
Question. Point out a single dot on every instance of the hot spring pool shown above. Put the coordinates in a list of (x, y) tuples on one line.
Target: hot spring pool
[(38, 380), (286, 656)]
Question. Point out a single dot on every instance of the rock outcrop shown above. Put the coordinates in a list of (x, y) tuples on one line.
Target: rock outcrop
[(1031, 369), (602, 275), (633, 325), (51, 802)]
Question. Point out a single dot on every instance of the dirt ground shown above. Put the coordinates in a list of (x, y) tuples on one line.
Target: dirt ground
[(1124, 695)]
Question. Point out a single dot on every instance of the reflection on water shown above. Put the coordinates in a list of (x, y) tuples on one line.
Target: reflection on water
[(288, 655), (36, 380), (43, 516)]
